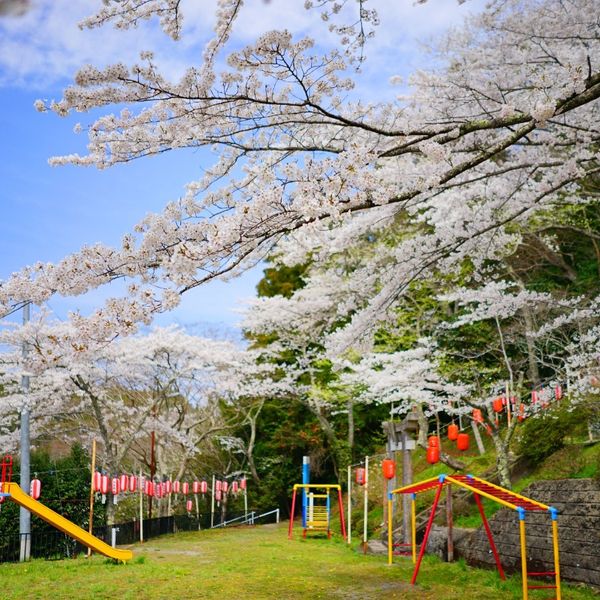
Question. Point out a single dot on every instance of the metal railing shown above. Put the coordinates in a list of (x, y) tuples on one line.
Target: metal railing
[(249, 518)]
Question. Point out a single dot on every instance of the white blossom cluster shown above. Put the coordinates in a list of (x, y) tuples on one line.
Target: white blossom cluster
[(166, 381), (507, 128)]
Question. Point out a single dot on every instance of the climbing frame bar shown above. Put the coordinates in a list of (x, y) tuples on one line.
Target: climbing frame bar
[(497, 494), (554, 517), (488, 531), (428, 530), (523, 553), (413, 522)]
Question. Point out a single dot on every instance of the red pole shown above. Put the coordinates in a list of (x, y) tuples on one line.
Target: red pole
[(292, 515), (427, 531), (490, 537), (341, 506)]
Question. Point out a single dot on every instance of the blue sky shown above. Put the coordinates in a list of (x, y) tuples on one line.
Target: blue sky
[(48, 212)]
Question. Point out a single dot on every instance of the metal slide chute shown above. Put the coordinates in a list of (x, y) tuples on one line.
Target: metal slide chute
[(17, 495)]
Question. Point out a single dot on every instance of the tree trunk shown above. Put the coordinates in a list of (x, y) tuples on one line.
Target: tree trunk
[(477, 436), (534, 373), (350, 406), (502, 460)]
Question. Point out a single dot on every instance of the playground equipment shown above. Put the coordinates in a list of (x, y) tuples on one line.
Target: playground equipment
[(498, 494), (318, 514), (13, 492)]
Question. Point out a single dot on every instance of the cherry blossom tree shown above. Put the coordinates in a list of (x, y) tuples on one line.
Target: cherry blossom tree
[(167, 382), (504, 129)]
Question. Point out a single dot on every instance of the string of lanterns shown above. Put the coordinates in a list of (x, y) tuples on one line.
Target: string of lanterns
[(124, 484), (540, 399)]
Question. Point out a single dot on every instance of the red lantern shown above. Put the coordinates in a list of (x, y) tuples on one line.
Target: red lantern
[(176, 487), (148, 488), (104, 484), (433, 441), (243, 483), (196, 487), (116, 486), (235, 488), (204, 486), (534, 397), (521, 412), (558, 392), (97, 481), (360, 476), (225, 487), (158, 490), (462, 441), (218, 485), (185, 488), (389, 468), (477, 415), (124, 483), (35, 489), (132, 483), (218, 495), (168, 487), (452, 432), (188, 506), (433, 455), (498, 405)]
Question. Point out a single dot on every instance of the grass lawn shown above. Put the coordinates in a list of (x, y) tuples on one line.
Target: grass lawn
[(255, 563)]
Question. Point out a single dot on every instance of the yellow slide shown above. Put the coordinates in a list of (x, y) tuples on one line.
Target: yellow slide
[(81, 535)]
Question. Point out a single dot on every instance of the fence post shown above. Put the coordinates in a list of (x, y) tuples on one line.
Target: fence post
[(277, 516)]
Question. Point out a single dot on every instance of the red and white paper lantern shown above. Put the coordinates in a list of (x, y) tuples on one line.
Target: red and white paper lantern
[(35, 488)]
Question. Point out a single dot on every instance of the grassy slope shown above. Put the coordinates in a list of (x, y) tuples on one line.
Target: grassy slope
[(257, 563)]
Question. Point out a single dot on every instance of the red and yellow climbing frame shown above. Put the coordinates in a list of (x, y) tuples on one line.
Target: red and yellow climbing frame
[(498, 494)]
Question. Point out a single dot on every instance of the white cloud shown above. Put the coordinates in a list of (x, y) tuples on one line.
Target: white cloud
[(45, 46)]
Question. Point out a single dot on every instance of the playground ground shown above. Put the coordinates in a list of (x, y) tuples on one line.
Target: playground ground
[(255, 563)]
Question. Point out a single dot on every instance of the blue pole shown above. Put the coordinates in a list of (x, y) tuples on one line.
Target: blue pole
[(305, 481)]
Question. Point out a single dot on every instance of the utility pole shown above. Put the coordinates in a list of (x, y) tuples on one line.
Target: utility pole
[(24, 514)]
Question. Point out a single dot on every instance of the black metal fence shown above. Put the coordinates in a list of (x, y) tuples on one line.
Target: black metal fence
[(55, 545)]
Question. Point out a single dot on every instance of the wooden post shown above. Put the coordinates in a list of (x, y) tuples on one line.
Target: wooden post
[(449, 523), (349, 519), (407, 479), (93, 470), (212, 504), (141, 508), (366, 506)]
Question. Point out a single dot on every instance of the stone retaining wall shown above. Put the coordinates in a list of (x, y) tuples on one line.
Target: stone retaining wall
[(578, 502)]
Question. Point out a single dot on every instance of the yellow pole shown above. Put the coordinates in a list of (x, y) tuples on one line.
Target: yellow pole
[(523, 553), (413, 510), (389, 525), (556, 555), (93, 470)]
